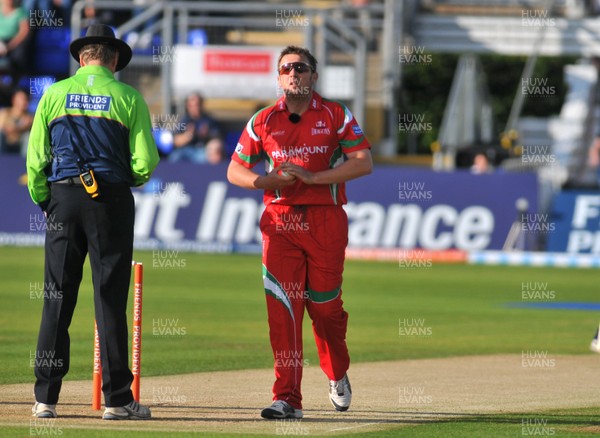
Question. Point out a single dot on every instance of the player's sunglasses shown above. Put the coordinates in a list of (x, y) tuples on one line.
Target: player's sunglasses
[(300, 67)]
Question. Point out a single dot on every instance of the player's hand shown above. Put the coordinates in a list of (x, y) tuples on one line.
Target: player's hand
[(275, 180), (44, 206), (301, 173)]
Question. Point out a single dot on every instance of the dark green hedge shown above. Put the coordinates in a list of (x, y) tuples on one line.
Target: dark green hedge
[(425, 89)]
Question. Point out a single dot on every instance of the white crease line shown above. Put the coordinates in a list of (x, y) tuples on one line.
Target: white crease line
[(355, 427)]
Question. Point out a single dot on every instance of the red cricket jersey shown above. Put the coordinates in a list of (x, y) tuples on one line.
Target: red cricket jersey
[(325, 132)]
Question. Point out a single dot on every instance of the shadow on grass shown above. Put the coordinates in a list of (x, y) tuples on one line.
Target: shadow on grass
[(358, 417)]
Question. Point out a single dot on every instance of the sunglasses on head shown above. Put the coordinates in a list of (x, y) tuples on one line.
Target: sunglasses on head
[(300, 67)]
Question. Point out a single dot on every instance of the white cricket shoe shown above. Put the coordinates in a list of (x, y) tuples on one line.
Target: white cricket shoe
[(132, 411), (595, 344), (340, 393), (42, 410), (280, 409)]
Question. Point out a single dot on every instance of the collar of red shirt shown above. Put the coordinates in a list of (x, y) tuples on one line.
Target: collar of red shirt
[(316, 102)]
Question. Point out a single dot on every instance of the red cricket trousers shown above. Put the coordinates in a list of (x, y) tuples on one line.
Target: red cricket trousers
[(303, 261)]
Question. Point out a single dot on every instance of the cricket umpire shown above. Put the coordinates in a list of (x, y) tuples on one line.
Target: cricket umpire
[(90, 142)]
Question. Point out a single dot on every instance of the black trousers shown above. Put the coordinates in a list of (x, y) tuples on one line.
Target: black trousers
[(78, 225)]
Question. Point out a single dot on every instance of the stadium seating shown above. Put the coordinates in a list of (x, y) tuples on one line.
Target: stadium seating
[(197, 37), (51, 48)]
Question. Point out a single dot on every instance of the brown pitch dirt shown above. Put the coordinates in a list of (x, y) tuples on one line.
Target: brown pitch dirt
[(386, 394)]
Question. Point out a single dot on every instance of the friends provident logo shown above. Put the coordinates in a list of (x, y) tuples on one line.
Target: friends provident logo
[(87, 102)]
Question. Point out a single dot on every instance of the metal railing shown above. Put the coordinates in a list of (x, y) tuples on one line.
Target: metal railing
[(498, 3), (327, 31), (519, 100), (580, 172)]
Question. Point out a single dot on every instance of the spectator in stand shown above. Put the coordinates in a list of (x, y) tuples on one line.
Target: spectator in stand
[(594, 156), (15, 123), (481, 164), (14, 32), (199, 131), (592, 7), (93, 15), (215, 152), (142, 39)]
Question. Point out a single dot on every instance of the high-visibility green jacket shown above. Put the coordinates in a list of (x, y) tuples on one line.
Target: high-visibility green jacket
[(90, 121)]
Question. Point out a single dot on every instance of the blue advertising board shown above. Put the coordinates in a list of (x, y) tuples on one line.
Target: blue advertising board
[(576, 215), (193, 207)]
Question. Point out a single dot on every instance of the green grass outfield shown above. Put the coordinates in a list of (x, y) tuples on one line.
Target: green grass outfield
[(213, 316)]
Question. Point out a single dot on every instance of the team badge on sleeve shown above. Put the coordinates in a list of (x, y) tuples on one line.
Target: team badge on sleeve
[(357, 130)]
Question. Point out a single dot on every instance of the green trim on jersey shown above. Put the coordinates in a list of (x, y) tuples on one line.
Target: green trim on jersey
[(345, 143), (254, 118), (270, 167), (250, 159), (344, 107), (336, 157), (325, 99), (333, 189), (351, 143)]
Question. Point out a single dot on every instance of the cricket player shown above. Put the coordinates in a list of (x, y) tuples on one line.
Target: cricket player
[(90, 142), (311, 146)]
